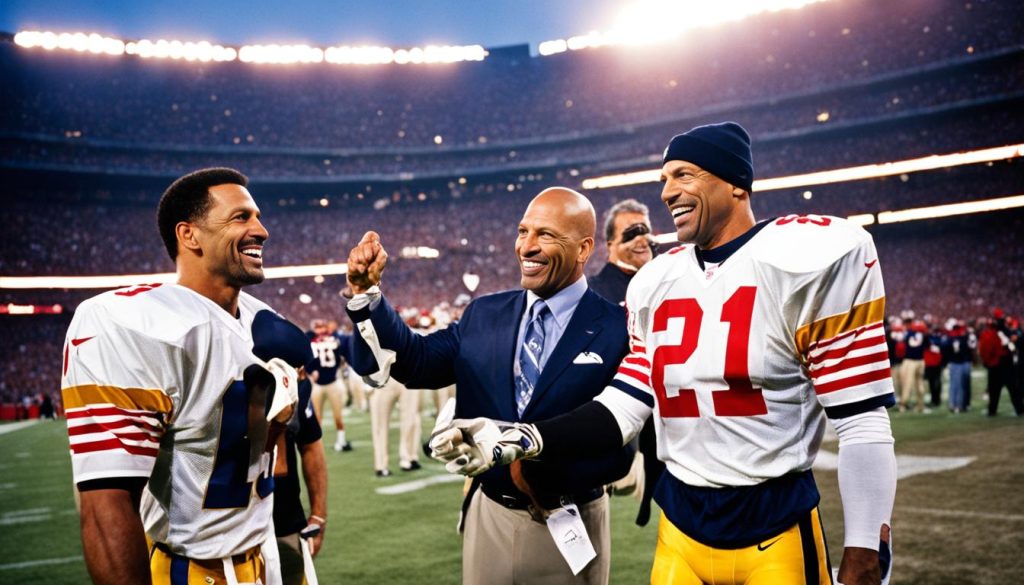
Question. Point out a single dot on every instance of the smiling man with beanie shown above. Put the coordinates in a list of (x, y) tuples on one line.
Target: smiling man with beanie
[(742, 341)]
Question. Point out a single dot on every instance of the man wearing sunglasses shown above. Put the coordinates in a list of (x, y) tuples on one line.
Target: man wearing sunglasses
[(627, 228)]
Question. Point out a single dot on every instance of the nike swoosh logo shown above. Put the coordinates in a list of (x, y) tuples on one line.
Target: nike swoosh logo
[(764, 547), (870, 264), (81, 340)]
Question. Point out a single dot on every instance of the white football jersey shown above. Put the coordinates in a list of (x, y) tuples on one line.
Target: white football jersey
[(153, 387), (739, 359)]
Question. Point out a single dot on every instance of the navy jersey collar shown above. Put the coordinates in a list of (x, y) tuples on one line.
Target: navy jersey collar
[(722, 253)]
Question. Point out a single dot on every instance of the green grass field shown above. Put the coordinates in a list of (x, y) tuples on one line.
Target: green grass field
[(960, 526)]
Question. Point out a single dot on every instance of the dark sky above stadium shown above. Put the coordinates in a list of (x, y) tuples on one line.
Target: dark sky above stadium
[(395, 23)]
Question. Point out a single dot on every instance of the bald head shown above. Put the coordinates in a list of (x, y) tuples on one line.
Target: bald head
[(575, 209), (556, 237)]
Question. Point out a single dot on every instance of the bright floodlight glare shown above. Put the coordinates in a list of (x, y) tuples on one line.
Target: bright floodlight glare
[(274, 54), (345, 55), (280, 54), (78, 42), (936, 161), (653, 21), (951, 209)]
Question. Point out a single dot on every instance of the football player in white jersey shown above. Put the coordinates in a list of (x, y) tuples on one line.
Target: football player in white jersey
[(169, 411), (742, 341)]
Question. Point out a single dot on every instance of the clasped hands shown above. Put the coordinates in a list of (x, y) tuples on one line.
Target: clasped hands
[(471, 446)]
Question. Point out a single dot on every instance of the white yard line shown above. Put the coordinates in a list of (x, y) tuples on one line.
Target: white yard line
[(411, 486), (41, 562), (961, 514), (10, 428)]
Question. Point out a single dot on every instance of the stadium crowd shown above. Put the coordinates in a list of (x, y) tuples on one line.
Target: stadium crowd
[(828, 45)]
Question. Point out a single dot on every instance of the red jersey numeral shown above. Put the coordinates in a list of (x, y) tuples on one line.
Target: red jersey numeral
[(685, 404), (741, 398), (137, 290), (802, 219)]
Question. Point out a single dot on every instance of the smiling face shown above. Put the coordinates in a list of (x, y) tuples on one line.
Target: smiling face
[(230, 237), (556, 237), (637, 251), (706, 210)]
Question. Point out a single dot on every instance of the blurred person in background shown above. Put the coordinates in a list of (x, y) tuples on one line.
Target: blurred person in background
[(934, 361), (998, 352), (330, 349), (912, 370), (960, 346), (627, 229)]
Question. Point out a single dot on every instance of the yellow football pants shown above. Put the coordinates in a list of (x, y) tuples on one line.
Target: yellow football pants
[(170, 569), (797, 556)]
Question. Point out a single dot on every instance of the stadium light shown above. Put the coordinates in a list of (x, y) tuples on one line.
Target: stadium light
[(79, 42), (928, 163), (951, 209), (280, 54), (184, 50), (654, 21), (270, 54)]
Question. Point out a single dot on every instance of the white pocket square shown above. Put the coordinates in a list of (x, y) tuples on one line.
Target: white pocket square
[(588, 357)]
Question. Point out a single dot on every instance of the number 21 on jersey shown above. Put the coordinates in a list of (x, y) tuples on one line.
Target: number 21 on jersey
[(740, 397)]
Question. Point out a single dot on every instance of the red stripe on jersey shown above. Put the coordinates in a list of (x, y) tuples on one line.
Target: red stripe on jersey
[(636, 375), (116, 424), (112, 445), (846, 364), (859, 379), (637, 360), (107, 410), (638, 349), (140, 419), (842, 351), (828, 342)]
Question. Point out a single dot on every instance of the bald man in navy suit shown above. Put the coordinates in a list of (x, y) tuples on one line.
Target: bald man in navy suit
[(519, 355)]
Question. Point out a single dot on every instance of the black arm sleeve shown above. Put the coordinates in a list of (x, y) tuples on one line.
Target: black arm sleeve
[(131, 484), (588, 431)]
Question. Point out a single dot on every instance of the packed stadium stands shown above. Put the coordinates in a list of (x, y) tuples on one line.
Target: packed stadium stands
[(87, 143)]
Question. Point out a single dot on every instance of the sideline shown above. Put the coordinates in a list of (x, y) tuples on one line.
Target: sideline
[(10, 428), (41, 562)]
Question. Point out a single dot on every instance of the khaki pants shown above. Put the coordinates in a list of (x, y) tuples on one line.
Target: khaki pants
[(356, 388), (382, 403), (506, 547), (912, 382), (335, 393)]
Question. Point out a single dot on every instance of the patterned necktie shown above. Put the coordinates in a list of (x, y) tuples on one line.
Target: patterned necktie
[(529, 356)]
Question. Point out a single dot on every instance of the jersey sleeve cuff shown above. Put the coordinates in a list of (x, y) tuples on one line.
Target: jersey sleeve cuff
[(640, 395), (860, 407)]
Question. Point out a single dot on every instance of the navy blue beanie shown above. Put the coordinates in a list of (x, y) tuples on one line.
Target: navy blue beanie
[(721, 149), (274, 336)]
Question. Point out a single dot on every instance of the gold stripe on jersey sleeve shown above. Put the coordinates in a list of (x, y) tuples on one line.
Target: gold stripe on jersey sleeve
[(130, 398), (827, 328)]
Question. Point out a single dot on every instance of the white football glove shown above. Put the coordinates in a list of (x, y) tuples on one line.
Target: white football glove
[(286, 390), (472, 446)]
